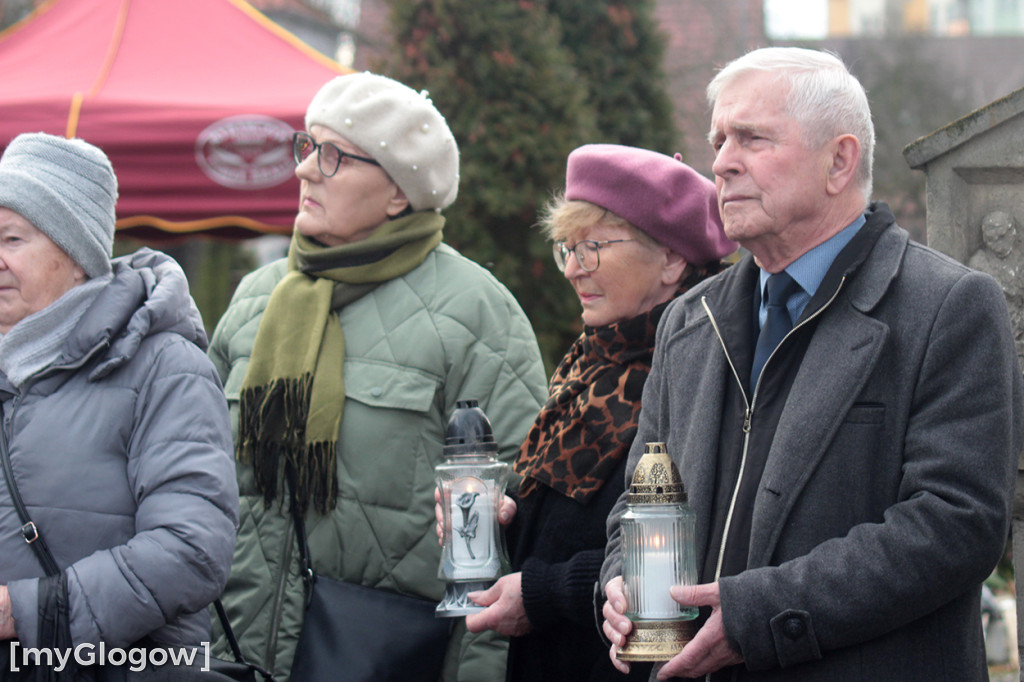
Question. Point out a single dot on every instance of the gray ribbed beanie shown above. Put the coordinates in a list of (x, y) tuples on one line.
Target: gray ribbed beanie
[(67, 189)]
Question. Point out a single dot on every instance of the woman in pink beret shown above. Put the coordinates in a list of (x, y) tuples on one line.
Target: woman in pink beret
[(633, 230)]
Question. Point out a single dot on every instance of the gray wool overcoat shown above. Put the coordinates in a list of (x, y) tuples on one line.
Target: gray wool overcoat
[(886, 495)]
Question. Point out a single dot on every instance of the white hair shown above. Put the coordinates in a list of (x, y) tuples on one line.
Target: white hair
[(823, 96)]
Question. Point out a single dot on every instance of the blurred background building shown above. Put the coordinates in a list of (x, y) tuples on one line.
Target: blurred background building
[(924, 62)]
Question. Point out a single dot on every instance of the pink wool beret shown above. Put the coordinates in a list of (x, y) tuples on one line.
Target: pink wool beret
[(660, 195)]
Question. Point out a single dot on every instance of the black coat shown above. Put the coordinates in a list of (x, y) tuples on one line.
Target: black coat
[(558, 544)]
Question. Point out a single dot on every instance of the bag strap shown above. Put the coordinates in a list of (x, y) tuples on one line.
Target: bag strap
[(35, 538), (232, 641), (29, 530), (305, 560)]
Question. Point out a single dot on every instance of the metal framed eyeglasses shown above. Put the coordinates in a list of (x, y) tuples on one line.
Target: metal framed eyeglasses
[(329, 156), (587, 252)]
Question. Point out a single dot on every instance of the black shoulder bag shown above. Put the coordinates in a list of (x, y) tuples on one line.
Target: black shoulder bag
[(55, 624), (354, 633)]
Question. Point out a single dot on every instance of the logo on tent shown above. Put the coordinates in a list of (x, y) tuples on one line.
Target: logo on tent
[(246, 152)]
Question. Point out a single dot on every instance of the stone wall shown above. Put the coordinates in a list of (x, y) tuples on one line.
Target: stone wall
[(975, 213)]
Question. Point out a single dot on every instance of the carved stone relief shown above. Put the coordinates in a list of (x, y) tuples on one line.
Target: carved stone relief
[(1002, 256)]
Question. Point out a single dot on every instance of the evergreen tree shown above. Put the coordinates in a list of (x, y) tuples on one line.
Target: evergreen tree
[(618, 51), (499, 74), (213, 267)]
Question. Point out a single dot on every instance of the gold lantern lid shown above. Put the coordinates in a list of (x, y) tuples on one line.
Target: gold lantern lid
[(656, 479)]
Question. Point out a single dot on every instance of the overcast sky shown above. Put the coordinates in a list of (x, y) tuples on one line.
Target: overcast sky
[(796, 18)]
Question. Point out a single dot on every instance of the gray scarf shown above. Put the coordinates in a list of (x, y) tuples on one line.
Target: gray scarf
[(34, 343)]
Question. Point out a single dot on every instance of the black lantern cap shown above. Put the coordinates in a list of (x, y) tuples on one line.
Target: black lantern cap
[(469, 431)]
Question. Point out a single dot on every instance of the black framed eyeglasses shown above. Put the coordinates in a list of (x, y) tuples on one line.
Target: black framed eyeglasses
[(587, 252), (329, 156)]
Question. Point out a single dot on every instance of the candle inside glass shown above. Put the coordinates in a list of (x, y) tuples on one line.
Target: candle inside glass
[(472, 521), (657, 576), (657, 555)]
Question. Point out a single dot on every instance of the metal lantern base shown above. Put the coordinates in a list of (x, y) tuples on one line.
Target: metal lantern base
[(456, 601), (656, 640)]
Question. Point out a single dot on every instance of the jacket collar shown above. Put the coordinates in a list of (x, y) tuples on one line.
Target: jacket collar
[(886, 248), (732, 298)]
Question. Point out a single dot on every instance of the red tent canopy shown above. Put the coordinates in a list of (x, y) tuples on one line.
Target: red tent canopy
[(194, 101)]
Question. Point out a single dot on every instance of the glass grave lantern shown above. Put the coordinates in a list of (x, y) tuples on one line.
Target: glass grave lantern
[(658, 530), (472, 483)]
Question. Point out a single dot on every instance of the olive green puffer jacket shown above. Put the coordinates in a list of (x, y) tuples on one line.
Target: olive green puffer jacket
[(415, 345)]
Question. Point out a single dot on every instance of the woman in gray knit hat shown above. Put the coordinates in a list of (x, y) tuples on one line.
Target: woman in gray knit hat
[(342, 364), (114, 429)]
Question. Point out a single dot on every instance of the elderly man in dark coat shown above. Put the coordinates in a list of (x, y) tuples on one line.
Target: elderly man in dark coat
[(853, 481)]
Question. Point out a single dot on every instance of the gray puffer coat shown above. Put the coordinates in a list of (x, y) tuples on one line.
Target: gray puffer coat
[(121, 452)]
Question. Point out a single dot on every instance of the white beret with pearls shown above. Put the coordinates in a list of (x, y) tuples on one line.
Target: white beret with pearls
[(398, 127)]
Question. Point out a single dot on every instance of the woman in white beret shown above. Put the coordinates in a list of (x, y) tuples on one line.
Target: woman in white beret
[(343, 362), (115, 433)]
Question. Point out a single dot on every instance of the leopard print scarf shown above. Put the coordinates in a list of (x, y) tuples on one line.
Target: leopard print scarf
[(588, 423), (590, 418)]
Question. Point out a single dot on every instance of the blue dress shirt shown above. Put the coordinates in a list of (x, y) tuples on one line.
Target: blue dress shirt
[(809, 269)]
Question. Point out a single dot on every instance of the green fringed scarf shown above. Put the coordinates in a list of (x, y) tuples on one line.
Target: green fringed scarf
[(293, 392)]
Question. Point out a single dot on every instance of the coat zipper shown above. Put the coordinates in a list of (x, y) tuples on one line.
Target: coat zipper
[(747, 416), (749, 405), (275, 620), (8, 417)]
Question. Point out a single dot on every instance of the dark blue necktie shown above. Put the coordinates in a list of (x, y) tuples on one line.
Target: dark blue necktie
[(778, 289)]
